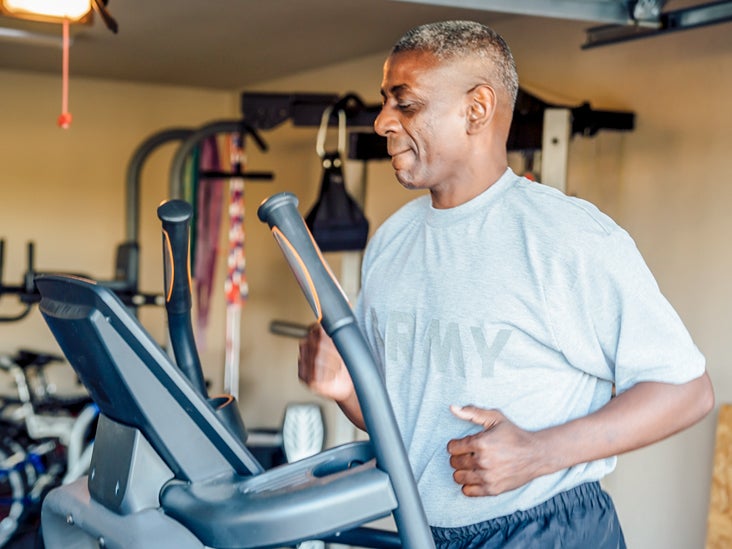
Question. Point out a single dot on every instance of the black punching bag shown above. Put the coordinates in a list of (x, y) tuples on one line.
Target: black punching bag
[(336, 220)]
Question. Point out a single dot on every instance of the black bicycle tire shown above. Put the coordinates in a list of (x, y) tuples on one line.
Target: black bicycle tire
[(12, 487)]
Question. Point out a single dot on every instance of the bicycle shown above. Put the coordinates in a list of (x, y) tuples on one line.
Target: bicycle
[(46, 441)]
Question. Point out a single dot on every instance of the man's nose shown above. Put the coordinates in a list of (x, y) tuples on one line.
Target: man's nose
[(385, 122)]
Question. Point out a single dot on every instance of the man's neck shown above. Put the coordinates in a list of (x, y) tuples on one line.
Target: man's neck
[(454, 195)]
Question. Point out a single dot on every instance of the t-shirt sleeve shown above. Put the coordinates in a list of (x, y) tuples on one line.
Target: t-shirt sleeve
[(610, 318)]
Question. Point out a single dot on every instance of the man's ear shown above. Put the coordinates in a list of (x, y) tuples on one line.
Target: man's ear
[(482, 103)]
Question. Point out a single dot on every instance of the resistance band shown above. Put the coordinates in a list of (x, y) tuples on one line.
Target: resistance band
[(210, 198), (235, 287)]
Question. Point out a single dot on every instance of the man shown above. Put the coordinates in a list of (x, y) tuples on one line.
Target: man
[(504, 314)]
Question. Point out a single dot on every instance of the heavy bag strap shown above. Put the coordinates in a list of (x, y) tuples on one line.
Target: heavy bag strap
[(332, 173), (335, 220)]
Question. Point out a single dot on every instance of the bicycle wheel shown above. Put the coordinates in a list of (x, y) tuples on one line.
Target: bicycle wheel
[(12, 492)]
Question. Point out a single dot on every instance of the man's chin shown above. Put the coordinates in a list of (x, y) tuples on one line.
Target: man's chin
[(404, 179)]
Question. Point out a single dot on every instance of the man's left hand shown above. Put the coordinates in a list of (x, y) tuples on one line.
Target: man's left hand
[(498, 459)]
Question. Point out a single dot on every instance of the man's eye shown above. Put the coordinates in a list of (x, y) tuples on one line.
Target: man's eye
[(404, 106)]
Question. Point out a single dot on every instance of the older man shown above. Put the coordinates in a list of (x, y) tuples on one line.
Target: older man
[(523, 341)]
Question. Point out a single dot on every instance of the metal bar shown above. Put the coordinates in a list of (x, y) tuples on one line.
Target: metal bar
[(604, 11), (332, 309), (134, 171), (555, 148), (698, 16), (178, 166), (672, 21), (265, 110)]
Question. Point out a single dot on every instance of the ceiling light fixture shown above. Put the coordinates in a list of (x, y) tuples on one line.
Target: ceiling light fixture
[(49, 11), (66, 12)]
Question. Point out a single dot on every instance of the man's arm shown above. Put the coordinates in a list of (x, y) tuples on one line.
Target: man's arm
[(504, 457), (322, 369)]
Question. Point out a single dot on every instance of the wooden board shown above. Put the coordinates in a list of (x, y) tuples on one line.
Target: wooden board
[(719, 521)]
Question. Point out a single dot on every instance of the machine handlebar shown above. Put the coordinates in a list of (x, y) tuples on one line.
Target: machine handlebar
[(334, 313), (176, 216)]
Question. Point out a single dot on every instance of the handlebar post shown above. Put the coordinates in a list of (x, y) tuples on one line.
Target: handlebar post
[(176, 216), (334, 313)]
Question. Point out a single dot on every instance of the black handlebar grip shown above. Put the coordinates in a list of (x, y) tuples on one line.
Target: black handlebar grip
[(324, 294), (176, 217)]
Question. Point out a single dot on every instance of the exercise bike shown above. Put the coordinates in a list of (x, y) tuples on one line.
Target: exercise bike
[(170, 467)]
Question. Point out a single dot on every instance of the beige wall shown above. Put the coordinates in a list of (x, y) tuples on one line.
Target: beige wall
[(65, 190), (667, 185), (666, 182)]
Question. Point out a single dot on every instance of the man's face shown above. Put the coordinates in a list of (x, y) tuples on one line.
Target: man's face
[(423, 118)]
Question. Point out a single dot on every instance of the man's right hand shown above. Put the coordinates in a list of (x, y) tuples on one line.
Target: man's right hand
[(322, 369)]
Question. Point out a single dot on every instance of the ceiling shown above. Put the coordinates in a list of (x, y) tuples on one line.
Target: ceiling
[(223, 43), (230, 44)]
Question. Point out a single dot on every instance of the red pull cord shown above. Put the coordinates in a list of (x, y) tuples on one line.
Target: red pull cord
[(64, 120)]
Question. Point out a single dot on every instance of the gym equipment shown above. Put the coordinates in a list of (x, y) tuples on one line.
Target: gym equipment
[(335, 220), (134, 174), (45, 440), (12, 492), (25, 291), (209, 205), (288, 329), (124, 283), (175, 216), (177, 169), (236, 288), (334, 313), (303, 434), (268, 110), (167, 472), (235, 285)]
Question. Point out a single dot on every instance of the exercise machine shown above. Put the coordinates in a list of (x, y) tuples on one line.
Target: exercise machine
[(168, 471), (124, 283)]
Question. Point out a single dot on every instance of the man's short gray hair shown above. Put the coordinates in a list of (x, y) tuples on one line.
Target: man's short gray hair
[(465, 39)]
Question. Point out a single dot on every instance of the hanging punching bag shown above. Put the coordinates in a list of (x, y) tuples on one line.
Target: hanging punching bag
[(336, 220)]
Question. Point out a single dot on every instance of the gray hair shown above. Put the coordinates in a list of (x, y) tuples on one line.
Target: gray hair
[(464, 39)]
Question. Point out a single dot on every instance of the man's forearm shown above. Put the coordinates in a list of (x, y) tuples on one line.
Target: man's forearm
[(644, 414), (351, 408)]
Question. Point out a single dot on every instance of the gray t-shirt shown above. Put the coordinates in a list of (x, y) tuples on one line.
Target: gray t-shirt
[(523, 300)]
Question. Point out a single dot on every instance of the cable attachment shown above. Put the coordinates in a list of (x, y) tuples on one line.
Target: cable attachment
[(322, 132)]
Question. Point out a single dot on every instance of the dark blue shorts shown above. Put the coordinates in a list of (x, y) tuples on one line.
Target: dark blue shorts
[(581, 518)]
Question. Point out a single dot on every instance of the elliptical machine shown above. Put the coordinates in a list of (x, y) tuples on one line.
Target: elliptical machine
[(170, 468)]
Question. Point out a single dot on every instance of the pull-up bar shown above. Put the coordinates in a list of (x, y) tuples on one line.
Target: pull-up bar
[(269, 110)]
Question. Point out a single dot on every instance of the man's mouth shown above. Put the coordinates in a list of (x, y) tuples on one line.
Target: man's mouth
[(394, 154)]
